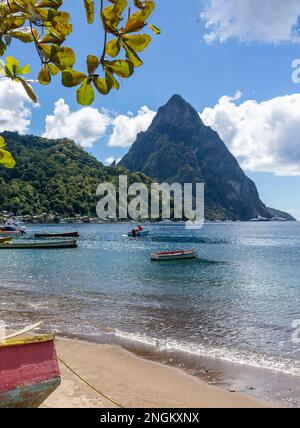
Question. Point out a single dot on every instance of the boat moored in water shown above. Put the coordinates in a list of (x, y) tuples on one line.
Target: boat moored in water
[(12, 226), (41, 245), (5, 239), (138, 234), (174, 255), (29, 370), (10, 232), (57, 235)]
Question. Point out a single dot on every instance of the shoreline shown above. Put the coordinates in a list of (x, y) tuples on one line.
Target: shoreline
[(265, 385), (133, 381)]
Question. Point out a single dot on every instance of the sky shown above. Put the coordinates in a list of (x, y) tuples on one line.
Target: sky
[(235, 61)]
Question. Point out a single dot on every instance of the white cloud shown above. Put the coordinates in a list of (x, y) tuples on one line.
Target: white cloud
[(87, 125), (111, 159), (84, 126), (267, 21), (294, 212), (15, 112), (265, 137), (126, 127)]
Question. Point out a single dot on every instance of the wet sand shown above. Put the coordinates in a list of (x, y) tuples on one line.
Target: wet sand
[(132, 382)]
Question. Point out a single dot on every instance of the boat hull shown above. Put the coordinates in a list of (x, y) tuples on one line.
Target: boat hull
[(181, 255), (30, 396), (5, 239), (29, 371), (139, 234), (57, 235), (38, 245)]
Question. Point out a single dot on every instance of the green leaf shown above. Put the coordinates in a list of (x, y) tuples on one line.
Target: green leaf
[(23, 36), (113, 47), (44, 76), (138, 42), (29, 90), (53, 69), (6, 158), (12, 66), (90, 10), (102, 85), (55, 4), (121, 67), (85, 94), (24, 70), (112, 80), (132, 55), (71, 78), (111, 16), (2, 47), (154, 29), (63, 57), (92, 63), (137, 20)]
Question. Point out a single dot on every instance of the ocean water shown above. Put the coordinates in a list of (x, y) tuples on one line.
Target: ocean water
[(232, 310)]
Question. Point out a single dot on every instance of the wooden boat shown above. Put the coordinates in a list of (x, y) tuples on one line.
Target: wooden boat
[(174, 255), (11, 226), (139, 234), (10, 232), (29, 370), (57, 235), (31, 245), (5, 239)]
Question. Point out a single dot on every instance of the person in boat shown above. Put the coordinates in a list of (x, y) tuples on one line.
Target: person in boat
[(134, 233), (22, 231), (140, 228)]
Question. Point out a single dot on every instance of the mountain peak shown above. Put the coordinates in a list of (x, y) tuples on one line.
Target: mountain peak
[(177, 113), (178, 99), (179, 148)]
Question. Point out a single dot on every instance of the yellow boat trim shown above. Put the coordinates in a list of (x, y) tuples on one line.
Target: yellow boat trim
[(27, 340)]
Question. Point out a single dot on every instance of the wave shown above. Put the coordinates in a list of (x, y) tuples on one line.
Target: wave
[(282, 365)]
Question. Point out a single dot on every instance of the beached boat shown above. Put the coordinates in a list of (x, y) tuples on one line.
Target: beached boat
[(5, 239), (174, 255), (31, 245), (29, 371), (139, 234), (57, 235)]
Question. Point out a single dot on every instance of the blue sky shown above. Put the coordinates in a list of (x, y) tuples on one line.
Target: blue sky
[(203, 65)]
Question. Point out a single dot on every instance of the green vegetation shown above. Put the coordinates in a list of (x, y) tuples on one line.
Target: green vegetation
[(54, 177)]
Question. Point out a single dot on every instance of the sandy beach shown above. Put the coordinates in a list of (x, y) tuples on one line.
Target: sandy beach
[(132, 382)]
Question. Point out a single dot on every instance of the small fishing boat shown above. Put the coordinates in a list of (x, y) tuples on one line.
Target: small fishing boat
[(57, 235), (10, 232), (12, 226), (29, 370), (5, 239), (41, 245), (174, 255), (139, 234)]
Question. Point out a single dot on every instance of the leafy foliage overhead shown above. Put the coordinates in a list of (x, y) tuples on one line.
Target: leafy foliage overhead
[(44, 24)]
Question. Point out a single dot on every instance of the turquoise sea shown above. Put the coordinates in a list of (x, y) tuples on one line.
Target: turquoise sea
[(227, 317)]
